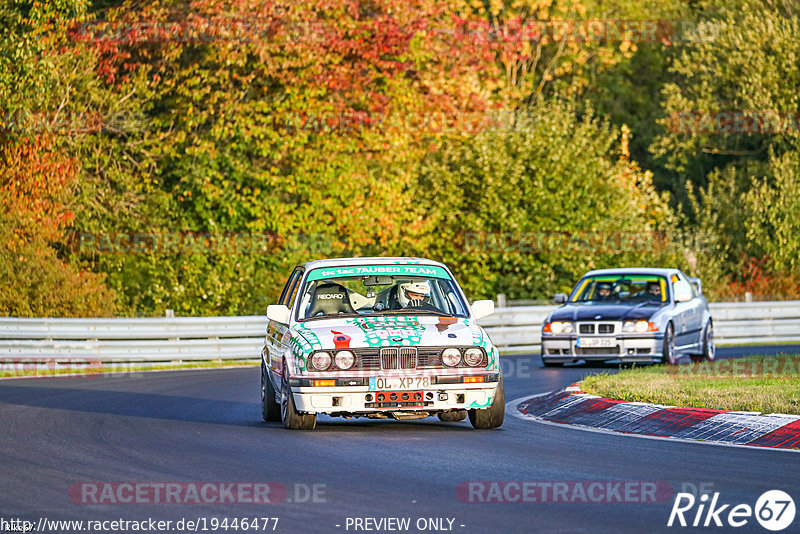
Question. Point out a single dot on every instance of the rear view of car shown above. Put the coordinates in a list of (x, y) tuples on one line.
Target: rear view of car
[(379, 338)]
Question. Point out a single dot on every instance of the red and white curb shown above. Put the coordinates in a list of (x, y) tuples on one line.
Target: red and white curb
[(571, 406)]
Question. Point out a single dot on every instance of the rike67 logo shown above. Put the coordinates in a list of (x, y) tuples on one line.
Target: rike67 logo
[(774, 510)]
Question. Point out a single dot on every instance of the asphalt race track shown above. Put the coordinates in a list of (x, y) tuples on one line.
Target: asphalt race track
[(205, 426)]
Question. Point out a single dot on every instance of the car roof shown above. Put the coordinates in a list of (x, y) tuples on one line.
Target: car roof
[(373, 260), (634, 270)]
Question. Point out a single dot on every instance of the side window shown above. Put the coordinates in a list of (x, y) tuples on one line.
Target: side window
[(294, 288), (287, 289)]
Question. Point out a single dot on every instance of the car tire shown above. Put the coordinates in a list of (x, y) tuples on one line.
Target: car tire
[(709, 348), (491, 417), (292, 419), (455, 415), (668, 347), (270, 409)]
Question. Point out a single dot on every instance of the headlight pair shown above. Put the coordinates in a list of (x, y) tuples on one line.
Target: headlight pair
[(639, 327), (473, 357), (322, 360), (559, 327)]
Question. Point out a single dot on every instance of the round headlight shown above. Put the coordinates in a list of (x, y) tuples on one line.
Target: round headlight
[(320, 361), (641, 326), (473, 357), (344, 359), (451, 357), (556, 327), (567, 328), (628, 326)]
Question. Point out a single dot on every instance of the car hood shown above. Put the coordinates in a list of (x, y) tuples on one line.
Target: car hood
[(362, 332), (606, 312)]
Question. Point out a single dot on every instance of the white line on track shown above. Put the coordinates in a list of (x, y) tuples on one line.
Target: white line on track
[(511, 407)]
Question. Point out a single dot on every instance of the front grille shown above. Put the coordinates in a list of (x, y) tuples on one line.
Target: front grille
[(586, 329), (370, 359), (597, 350), (427, 357), (399, 358), (605, 328), (408, 358)]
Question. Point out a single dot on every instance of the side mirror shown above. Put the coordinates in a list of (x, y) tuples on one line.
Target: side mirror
[(278, 313), (683, 291), (698, 284), (560, 298), (482, 308)]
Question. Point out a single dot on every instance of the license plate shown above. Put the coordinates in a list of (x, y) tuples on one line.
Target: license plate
[(589, 342), (398, 383)]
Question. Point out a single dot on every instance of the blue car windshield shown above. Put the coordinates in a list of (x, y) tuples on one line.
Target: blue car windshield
[(621, 289)]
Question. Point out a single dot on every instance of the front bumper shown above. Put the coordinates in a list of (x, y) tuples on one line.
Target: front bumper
[(356, 400), (628, 349)]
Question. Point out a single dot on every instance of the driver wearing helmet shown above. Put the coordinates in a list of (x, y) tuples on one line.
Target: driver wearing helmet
[(414, 294), (603, 291), (654, 290)]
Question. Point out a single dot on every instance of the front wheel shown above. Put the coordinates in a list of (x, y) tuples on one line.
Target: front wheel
[(270, 409), (668, 348), (292, 419), (491, 417)]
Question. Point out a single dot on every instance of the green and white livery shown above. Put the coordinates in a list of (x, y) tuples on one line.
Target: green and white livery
[(381, 338)]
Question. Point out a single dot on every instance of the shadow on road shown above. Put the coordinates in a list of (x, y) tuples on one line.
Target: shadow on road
[(189, 409)]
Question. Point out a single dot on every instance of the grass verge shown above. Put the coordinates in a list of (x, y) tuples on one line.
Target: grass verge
[(23, 369), (768, 384)]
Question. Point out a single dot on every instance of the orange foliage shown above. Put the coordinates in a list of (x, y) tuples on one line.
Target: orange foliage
[(36, 177), (761, 283)]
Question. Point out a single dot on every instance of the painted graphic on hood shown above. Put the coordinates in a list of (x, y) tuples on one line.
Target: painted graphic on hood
[(303, 343), (340, 340), (384, 331)]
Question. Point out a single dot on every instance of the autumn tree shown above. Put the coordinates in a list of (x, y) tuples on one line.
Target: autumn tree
[(37, 174)]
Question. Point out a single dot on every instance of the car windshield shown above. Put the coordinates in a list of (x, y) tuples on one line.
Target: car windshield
[(621, 289), (356, 291)]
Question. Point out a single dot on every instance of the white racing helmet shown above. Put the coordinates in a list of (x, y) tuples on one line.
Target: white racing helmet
[(418, 288)]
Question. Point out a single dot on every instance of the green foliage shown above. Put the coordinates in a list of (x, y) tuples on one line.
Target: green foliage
[(325, 129), (38, 284), (543, 171), (748, 217), (740, 185), (774, 223)]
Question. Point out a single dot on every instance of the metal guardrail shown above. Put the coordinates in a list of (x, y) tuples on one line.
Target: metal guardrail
[(519, 329), (513, 329)]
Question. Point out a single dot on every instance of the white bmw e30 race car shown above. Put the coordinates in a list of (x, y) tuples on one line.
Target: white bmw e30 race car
[(381, 338)]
